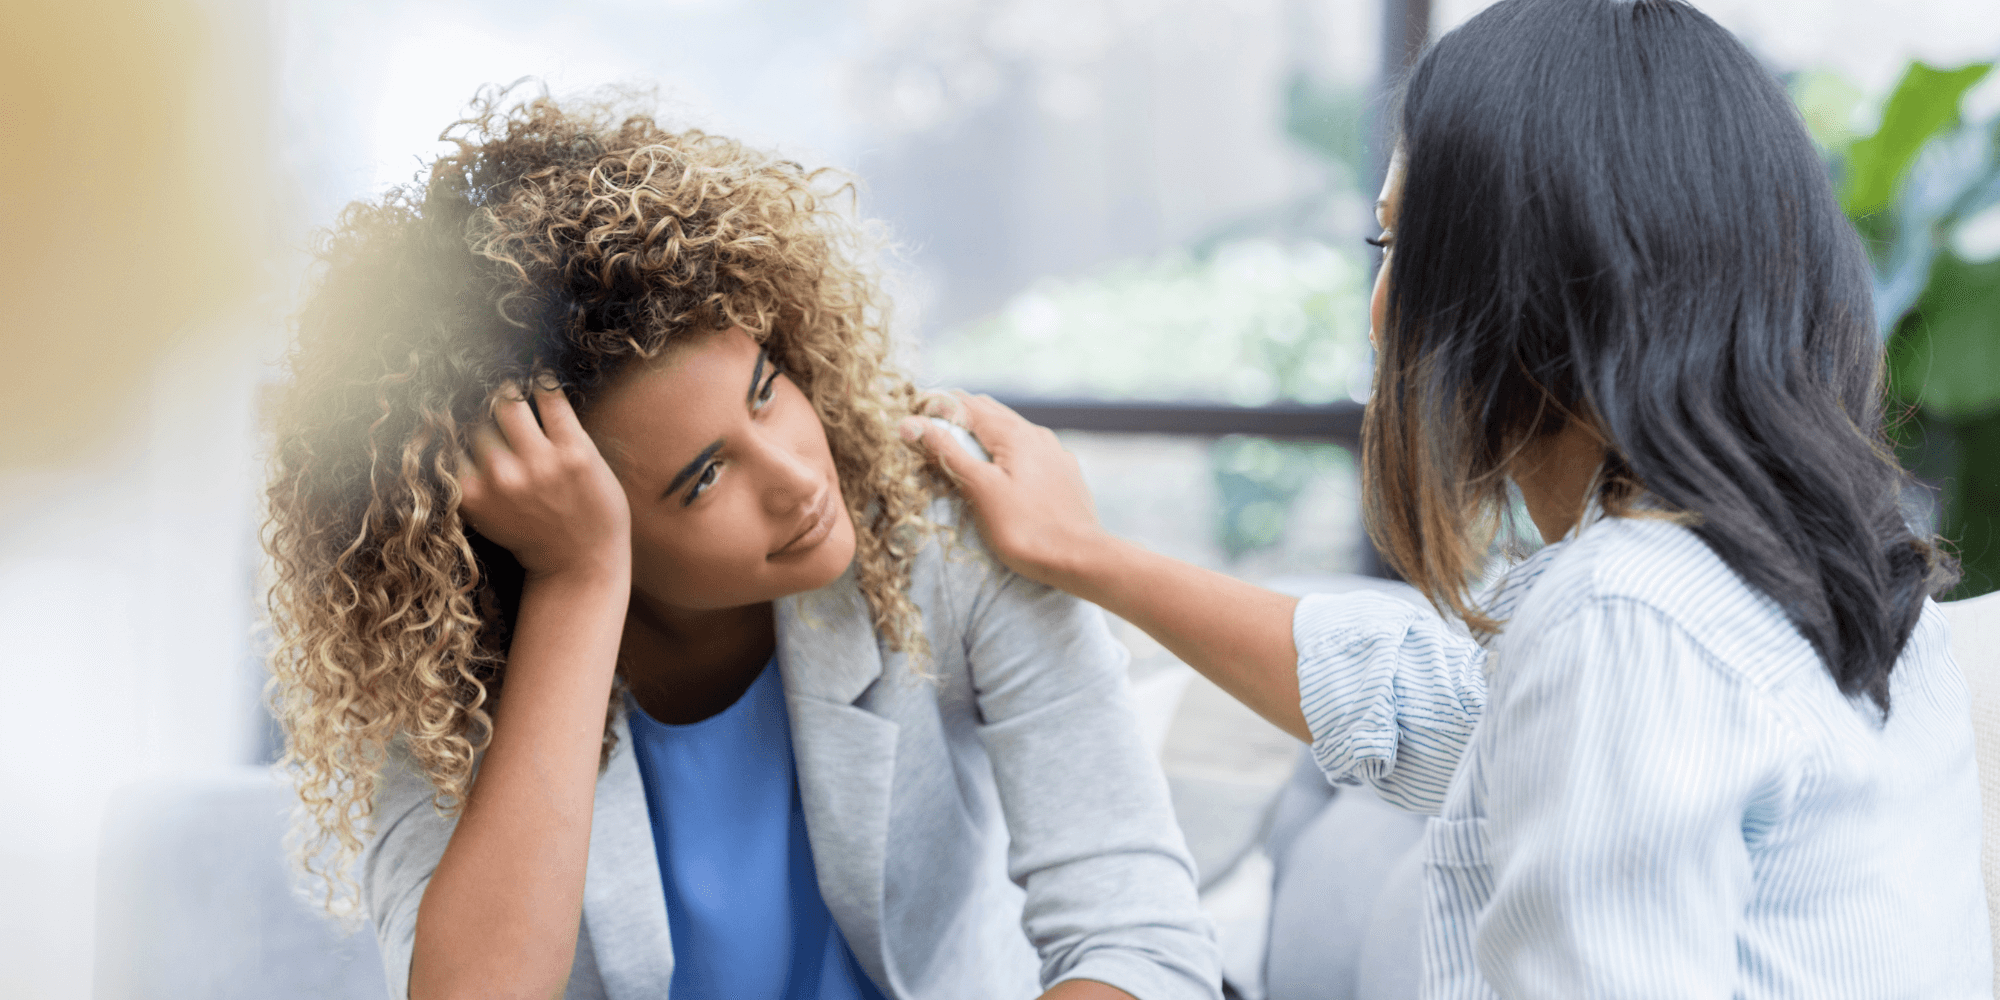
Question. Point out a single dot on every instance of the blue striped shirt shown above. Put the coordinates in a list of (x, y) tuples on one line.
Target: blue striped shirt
[(1647, 785)]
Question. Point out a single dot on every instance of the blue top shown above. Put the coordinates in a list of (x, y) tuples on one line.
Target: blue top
[(1647, 785), (743, 902)]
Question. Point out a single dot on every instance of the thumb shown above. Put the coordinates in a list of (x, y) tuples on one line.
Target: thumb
[(944, 449)]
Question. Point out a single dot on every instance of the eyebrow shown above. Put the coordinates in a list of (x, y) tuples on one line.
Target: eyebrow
[(756, 376)]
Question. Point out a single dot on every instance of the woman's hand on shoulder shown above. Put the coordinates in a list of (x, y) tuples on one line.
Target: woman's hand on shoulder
[(1030, 500), (542, 490)]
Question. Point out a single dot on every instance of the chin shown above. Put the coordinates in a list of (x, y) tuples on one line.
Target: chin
[(827, 561), (834, 555)]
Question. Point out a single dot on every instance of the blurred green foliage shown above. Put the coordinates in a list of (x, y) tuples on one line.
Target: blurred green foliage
[(1250, 323), (1925, 103), (1331, 122), (1260, 310), (1946, 357), (1923, 188), (1259, 480)]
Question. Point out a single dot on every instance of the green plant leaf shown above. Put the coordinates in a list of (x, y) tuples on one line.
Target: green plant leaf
[(1946, 356), (1947, 177), (1924, 103)]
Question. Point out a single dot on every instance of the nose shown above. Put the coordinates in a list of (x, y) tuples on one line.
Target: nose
[(791, 481)]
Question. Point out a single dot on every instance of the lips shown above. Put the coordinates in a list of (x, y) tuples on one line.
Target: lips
[(818, 523)]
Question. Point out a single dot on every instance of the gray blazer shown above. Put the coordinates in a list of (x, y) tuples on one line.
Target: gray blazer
[(980, 835)]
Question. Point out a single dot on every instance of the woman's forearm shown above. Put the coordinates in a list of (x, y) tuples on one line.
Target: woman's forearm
[(499, 917), (1237, 634)]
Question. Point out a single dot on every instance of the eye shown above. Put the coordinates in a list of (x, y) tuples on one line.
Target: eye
[(702, 482), (1384, 241), (770, 386)]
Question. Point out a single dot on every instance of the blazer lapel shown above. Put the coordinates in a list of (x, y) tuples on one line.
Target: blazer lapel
[(846, 756), (624, 904)]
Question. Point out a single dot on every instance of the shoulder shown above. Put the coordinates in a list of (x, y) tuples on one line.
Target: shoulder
[(953, 563), (969, 596), (1928, 671), (948, 511), (965, 591), (1667, 570), (402, 780)]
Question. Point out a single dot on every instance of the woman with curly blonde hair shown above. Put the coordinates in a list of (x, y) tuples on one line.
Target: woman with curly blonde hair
[(626, 647)]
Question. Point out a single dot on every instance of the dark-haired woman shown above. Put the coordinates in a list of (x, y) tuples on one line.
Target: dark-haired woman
[(1708, 742)]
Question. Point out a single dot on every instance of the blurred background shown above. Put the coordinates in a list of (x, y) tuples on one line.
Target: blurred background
[(1139, 219)]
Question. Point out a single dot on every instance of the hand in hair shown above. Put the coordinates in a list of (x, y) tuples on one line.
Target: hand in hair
[(499, 916), (543, 490)]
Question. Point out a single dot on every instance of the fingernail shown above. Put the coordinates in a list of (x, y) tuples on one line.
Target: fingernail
[(547, 381), (911, 428)]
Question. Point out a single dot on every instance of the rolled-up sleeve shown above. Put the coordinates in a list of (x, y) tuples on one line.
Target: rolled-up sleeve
[(1390, 691)]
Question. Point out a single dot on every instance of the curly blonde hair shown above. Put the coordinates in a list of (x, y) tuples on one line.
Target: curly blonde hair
[(570, 239)]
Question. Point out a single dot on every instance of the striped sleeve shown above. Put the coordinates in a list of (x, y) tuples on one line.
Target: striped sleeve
[(1391, 693)]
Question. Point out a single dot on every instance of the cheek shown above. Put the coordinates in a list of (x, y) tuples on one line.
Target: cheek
[(1378, 305), (680, 567), (719, 559), (807, 439), (804, 435), (722, 564)]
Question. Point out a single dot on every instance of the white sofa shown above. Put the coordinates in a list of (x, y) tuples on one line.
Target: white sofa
[(195, 901)]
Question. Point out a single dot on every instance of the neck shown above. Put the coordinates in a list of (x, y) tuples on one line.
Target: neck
[(1554, 474), (684, 665)]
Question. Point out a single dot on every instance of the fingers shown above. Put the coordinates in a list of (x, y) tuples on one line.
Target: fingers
[(943, 405), (515, 438), (995, 424), (944, 449), (489, 449), (487, 457), (1004, 433), (986, 408), (517, 421), (559, 420)]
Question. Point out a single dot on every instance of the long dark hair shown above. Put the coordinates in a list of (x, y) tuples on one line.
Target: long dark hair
[(1612, 215)]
